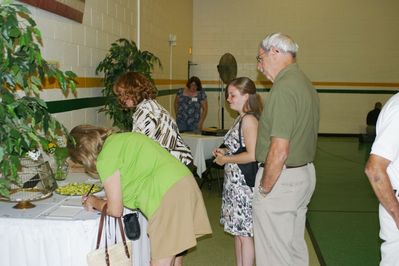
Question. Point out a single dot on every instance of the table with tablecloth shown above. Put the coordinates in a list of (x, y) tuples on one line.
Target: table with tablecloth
[(58, 231), (201, 147)]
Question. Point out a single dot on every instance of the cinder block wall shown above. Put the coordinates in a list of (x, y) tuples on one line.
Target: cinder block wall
[(344, 46)]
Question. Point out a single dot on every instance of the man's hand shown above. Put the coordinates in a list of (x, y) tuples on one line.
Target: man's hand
[(278, 153), (376, 171)]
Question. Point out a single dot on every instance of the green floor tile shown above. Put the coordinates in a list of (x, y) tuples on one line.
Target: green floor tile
[(342, 217)]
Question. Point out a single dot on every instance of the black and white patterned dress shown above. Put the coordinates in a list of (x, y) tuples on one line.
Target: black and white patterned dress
[(236, 213), (151, 119)]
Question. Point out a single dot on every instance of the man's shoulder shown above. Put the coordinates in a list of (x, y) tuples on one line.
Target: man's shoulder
[(292, 75), (295, 84), (394, 100), (392, 105)]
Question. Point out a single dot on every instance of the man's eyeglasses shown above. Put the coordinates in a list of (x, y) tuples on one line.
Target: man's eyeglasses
[(259, 58)]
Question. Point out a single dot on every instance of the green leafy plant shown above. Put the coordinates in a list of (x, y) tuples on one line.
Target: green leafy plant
[(25, 123), (123, 56)]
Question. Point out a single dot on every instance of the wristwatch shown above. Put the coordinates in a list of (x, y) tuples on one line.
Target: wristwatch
[(262, 191)]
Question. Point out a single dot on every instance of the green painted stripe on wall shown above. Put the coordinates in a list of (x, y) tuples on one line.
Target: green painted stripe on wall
[(326, 91), (357, 91), (74, 104), (167, 92), (81, 103)]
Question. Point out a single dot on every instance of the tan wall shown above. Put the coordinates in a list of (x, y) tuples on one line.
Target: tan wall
[(158, 20), (340, 41)]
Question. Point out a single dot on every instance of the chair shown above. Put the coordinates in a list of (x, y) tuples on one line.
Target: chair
[(213, 172)]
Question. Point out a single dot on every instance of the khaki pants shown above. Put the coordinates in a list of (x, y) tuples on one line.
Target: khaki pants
[(279, 218)]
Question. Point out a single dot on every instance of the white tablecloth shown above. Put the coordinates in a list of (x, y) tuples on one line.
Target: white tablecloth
[(201, 147), (58, 231)]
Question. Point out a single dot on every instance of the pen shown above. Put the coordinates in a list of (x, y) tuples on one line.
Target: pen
[(91, 188), (88, 193)]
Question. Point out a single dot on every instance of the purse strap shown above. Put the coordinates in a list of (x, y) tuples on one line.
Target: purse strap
[(239, 130), (99, 234), (239, 127), (101, 225), (123, 235)]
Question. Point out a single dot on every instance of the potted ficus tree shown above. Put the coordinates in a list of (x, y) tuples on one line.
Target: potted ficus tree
[(25, 123), (122, 57)]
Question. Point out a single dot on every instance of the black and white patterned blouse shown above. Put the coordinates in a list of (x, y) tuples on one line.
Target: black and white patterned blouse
[(151, 119)]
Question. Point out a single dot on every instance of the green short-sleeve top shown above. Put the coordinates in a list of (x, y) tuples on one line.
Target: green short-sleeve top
[(147, 170), (291, 112)]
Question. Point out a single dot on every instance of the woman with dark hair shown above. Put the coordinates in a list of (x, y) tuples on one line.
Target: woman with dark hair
[(236, 214), (191, 106), (135, 91), (138, 173)]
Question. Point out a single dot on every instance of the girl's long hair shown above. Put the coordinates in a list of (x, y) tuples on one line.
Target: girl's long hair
[(246, 85)]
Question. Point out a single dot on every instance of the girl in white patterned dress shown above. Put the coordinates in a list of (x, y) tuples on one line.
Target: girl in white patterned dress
[(236, 213)]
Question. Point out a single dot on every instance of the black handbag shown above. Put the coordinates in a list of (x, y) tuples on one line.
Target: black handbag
[(132, 226), (250, 169)]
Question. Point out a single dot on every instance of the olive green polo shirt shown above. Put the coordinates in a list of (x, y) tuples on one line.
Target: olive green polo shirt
[(291, 112)]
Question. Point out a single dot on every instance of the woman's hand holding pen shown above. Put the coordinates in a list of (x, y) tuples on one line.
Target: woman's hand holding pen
[(92, 203), (88, 201)]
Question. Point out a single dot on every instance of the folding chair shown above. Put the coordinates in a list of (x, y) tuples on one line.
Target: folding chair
[(213, 172)]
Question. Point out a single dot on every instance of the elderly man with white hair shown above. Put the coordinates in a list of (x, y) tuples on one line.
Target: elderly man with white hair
[(286, 146)]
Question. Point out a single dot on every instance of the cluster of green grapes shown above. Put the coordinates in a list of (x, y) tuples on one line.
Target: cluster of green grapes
[(77, 189)]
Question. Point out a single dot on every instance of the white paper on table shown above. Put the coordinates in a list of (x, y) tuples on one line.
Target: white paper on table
[(73, 201), (64, 212)]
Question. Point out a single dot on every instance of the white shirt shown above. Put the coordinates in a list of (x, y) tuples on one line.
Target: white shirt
[(386, 143)]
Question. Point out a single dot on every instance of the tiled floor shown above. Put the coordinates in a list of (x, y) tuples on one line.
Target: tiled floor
[(342, 215), (218, 250)]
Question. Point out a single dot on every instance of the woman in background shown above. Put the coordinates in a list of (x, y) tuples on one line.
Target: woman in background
[(191, 106), (138, 173), (135, 91), (236, 213)]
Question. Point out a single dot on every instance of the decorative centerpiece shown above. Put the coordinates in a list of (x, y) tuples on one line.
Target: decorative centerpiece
[(59, 155), (35, 181)]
